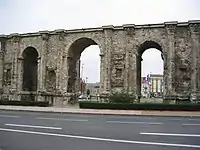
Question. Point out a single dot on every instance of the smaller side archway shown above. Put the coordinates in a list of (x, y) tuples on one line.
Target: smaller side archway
[(141, 49), (30, 69)]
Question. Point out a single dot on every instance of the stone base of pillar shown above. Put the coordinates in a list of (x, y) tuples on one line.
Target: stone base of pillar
[(13, 95), (180, 98), (195, 97), (170, 97), (60, 102), (183, 98), (40, 98)]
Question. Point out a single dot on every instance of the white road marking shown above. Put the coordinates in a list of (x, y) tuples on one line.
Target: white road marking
[(176, 119), (190, 119), (149, 123), (101, 139), (9, 116), (31, 126), (62, 119), (171, 134), (191, 124), (128, 117)]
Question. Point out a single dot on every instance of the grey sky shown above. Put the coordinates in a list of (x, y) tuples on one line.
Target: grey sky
[(33, 15)]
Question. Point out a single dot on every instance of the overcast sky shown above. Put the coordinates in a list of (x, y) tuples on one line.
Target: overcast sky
[(35, 15)]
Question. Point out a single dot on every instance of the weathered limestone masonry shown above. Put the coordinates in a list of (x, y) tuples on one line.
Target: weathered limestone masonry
[(46, 63)]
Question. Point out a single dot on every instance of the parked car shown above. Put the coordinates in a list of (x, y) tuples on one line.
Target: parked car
[(83, 98)]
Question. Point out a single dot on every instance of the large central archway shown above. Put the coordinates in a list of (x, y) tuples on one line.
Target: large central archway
[(75, 78), (142, 48)]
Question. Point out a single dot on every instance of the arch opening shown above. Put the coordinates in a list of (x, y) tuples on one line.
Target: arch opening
[(30, 67), (150, 66), (83, 66)]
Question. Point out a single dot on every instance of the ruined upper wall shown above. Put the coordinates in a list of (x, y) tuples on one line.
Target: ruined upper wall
[(84, 30), (61, 39)]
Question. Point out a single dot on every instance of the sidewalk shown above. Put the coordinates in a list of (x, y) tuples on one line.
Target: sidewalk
[(76, 110)]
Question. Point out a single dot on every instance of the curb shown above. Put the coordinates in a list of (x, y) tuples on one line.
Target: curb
[(59, 112), (103, 113)]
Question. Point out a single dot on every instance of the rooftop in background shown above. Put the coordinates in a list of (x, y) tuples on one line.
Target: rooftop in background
[(156, 75)]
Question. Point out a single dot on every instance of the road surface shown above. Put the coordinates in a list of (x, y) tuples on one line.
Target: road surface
[(55, 131)]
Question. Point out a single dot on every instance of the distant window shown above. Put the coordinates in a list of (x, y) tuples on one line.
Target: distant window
[(118, 73)]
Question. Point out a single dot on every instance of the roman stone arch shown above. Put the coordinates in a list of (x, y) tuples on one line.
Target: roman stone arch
[(139, 51), (73, 56), (120, 47), (92, 40), (28, 45), (30, 69)]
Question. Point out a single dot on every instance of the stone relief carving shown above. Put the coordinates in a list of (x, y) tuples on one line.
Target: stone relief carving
[(194, 28), (118, 60), (118, 56), (50, 80), (7, 73), (183, 47), (183, 76), (117, 82), (118, 65), (170, 29)]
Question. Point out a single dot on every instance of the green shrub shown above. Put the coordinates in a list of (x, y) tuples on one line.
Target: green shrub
[(25, 103), (121, 97), (141, 106)]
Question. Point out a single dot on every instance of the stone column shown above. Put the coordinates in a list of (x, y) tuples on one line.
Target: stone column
[(20, 76), (165, 74), (42, 65), (20, 73), (60, 60), (66, 59), (78, 66), (130, 61), (2, 50), (102, 78), (42, 61), (14, 76), (195, 42), (170, 28), (137, 72), (64, 77), (108, 31), (1, 69)]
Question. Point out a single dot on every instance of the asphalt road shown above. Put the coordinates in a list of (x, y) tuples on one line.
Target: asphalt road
[(54, 131)]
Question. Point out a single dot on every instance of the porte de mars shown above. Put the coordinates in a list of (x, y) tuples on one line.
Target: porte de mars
[(47, 62)]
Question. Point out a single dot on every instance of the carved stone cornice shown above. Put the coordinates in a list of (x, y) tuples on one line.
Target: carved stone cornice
[(130, 31), (62, 36), (16, 39), (194, 28), (171, 28), (45, 36)]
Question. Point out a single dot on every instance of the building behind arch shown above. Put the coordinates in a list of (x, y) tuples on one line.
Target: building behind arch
[(155, 89)]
